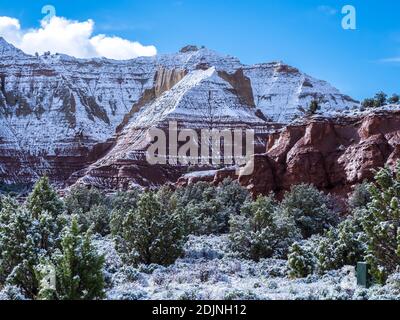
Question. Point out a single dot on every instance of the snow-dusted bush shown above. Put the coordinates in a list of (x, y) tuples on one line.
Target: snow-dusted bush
[(302, 260), (360, 197), (262, 231), (44, 198), (122, 203), (11, 293), (151, 234), (19, 247), (78, 268), (98, 219), (344, 245), (91, 206), (382, 224), (206, 209), (338, 247), (310, 210)]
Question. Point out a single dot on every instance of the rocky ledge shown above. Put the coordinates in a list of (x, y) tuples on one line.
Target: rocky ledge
[(332, 153)]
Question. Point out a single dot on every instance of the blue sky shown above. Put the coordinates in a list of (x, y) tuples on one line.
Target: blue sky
[(306, 34)]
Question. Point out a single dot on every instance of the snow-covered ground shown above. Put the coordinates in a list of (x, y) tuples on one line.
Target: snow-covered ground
[(208, 271)]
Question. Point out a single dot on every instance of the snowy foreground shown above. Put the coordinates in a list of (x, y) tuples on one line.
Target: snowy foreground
[(209, 272)]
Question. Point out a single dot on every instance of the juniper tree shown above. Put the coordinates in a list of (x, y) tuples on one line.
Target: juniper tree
[(368, 103), (46, 209), (150, 234), (382, 223), (79, 268), (206, 209), (19, 247), (314, 107), (302, 259), (44, 199), (91, 206), (122, 203), (262, 231), (361, 196), (394, 99), (310, 210), (380, 99)]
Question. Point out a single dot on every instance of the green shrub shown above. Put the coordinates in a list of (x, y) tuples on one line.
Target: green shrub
[(394, 99), (360, 197), (206, 209), (341, 246), (310, 210), (91, 206), (314, 107), (44, 199), (302, 260), (150, 234), (78, 268), (19, 247), (338, 247), (262, 231), (381, 224), (122, 203)]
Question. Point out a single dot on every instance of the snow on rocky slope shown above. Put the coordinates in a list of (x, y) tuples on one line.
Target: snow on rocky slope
[(59, 114)]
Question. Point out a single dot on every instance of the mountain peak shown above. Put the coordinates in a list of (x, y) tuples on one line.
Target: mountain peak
[(7, 49)]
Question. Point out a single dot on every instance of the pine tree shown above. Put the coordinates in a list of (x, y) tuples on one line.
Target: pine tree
[(79, 269), (150, 234), (361, 196), (382, 224), (44, 199), (19, 247)]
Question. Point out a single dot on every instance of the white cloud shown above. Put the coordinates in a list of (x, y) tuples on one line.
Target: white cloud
[(390, 60), (328, 10), (60, 35)]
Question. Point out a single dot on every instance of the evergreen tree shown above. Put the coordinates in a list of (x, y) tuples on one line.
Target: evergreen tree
[(232, 196), (310, 209), (79, 269), (122, 203), (19, 247), (368, 104), (314, 107), (394, 99), (81, 199), (262, 231), (361, 196), (206, 209), (301, 260), (44, 199), (382, 224), (92, 207), (150, 234), (380, 99)]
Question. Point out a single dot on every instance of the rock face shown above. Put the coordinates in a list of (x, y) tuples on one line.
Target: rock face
[(86, 119), (333, 154)]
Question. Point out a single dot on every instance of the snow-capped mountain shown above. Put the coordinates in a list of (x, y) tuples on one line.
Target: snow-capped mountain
[(59, 114)]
